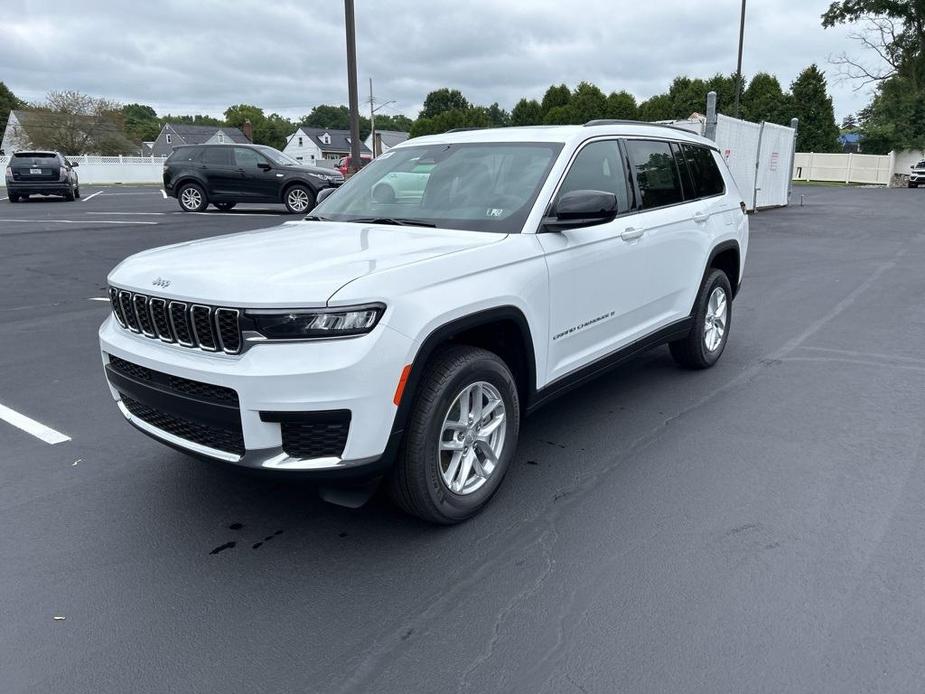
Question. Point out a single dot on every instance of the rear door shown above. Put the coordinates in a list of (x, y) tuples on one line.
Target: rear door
[(221, 175), (36, 167), (676, 228)]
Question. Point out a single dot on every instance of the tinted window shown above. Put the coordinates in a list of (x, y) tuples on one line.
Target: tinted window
[(216, 156), (656, 173), (247, 158), (599, 166), (706, 174), (46, 156), (184, 154)]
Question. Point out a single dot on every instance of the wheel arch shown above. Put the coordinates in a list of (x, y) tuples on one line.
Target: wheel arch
[(503, 330), (726, 256), (296, 182)]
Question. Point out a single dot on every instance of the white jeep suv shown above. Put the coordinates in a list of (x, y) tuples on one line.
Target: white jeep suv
[(406, 326), (917, 177)]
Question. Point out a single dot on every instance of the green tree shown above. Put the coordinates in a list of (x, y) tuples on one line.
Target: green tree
[(397, 122), (556, 95), (498, 116), (472, 117), (527, 112), (813, 106), (587, 103), (561, 115), (849, 123), (141, 123), (658, 107), (765, 100), (335, 118), (442, 100), (622, 105), (8, 102)]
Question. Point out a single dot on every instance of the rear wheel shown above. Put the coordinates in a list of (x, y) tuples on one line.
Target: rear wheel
[(192, 198), (299, 199), (224, 206), (69, 195), (461, 436), (704, 345), (77, 192)]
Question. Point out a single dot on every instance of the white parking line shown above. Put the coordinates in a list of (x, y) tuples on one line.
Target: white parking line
[(90, 197), (126, 213), (269, 215), (80, 221), (30, 426), (98, 298), (163, 192), (1, 199)]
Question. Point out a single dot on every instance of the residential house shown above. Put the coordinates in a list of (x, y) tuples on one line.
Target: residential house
[(387, 140), (313, 145), (71, 134), (175, 134), (850, 142)]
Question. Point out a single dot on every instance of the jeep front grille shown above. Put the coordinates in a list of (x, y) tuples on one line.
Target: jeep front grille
[(210, 328)]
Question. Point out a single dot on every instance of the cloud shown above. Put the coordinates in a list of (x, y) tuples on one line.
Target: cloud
[(202, 56)]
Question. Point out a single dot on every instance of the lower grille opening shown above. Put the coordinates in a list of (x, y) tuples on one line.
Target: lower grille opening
[(312, 434), (230, 439), (197, 389)]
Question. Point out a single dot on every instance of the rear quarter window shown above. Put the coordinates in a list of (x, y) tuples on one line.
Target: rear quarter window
[(707, 178)]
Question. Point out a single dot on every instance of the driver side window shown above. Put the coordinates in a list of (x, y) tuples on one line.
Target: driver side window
[(599, 166), (247, 158)]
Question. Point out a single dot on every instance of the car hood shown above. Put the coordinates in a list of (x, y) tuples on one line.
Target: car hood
[(297, 264)]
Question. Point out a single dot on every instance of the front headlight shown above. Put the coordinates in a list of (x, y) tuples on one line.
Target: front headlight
[(315, 323)]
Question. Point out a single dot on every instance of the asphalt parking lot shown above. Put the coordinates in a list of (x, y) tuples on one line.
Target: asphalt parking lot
[(757, 527)]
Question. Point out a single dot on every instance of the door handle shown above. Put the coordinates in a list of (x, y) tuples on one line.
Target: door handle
[(632, 233), (701, 217)]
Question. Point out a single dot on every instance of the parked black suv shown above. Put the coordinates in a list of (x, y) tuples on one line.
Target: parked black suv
[(225, 175), (41, 173)]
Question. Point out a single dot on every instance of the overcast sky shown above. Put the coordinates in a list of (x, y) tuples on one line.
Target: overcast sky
[(199, 56)]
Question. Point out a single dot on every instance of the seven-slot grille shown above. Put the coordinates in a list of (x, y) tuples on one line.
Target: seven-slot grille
[(210, 328)]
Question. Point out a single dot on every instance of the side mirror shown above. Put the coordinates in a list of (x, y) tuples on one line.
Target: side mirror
[(263, 165), (582, 208), (73, 164), (324, 194)]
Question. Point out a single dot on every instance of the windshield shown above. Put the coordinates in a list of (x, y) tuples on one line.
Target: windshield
[(478, 187), (278, 157)]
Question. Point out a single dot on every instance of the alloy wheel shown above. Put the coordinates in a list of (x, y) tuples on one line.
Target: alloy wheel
[(191, 198), (715, 321), (472, 438), (297, 199)]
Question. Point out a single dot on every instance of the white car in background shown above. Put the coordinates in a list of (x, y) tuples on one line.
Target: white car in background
[(917, 177), (454, 285)]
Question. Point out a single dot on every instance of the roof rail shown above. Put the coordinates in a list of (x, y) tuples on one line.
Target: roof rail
[(462, 130), (616, 121)]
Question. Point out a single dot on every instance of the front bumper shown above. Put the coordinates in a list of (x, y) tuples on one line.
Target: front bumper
[(277, 386), (38, 187)]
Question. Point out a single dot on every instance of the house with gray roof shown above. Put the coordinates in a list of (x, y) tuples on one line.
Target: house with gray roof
[(387, 139), (312, 145), (175, 134)]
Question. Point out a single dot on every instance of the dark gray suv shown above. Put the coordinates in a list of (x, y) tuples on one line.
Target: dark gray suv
[(225, 175), (41, 173)]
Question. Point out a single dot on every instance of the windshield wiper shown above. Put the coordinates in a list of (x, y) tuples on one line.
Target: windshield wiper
[(394, 220)]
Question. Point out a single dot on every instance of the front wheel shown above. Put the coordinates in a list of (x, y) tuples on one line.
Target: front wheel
[(299, 199), (461, 436), (192, 198), (913, 185), (706, 341), (14, 197)]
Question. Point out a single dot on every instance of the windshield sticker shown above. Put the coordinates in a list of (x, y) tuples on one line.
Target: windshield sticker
[(494, 212)]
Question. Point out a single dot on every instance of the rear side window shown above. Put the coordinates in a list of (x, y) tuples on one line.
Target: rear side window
[(216, 156), (707, 178), (656, 173), (183, 154), (599, 166)]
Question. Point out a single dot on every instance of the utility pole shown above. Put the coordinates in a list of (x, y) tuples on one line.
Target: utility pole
[(352, 86), (372, 118), (739, 66)]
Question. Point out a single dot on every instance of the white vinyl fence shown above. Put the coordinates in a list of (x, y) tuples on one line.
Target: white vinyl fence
[(843, 168), (92, 169)]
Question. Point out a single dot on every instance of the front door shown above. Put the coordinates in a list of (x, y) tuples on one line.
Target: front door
[(599, 292), (259, 181)]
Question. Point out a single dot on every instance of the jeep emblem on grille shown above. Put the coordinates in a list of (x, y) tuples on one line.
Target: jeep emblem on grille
[(161, 283)]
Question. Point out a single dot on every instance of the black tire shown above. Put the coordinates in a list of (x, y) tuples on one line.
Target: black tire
[(77, 192), (299, 199), (693, 352), (224, 206), (913, 185), (416, 482), (69, 195), (195, 200), (14, 197)]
